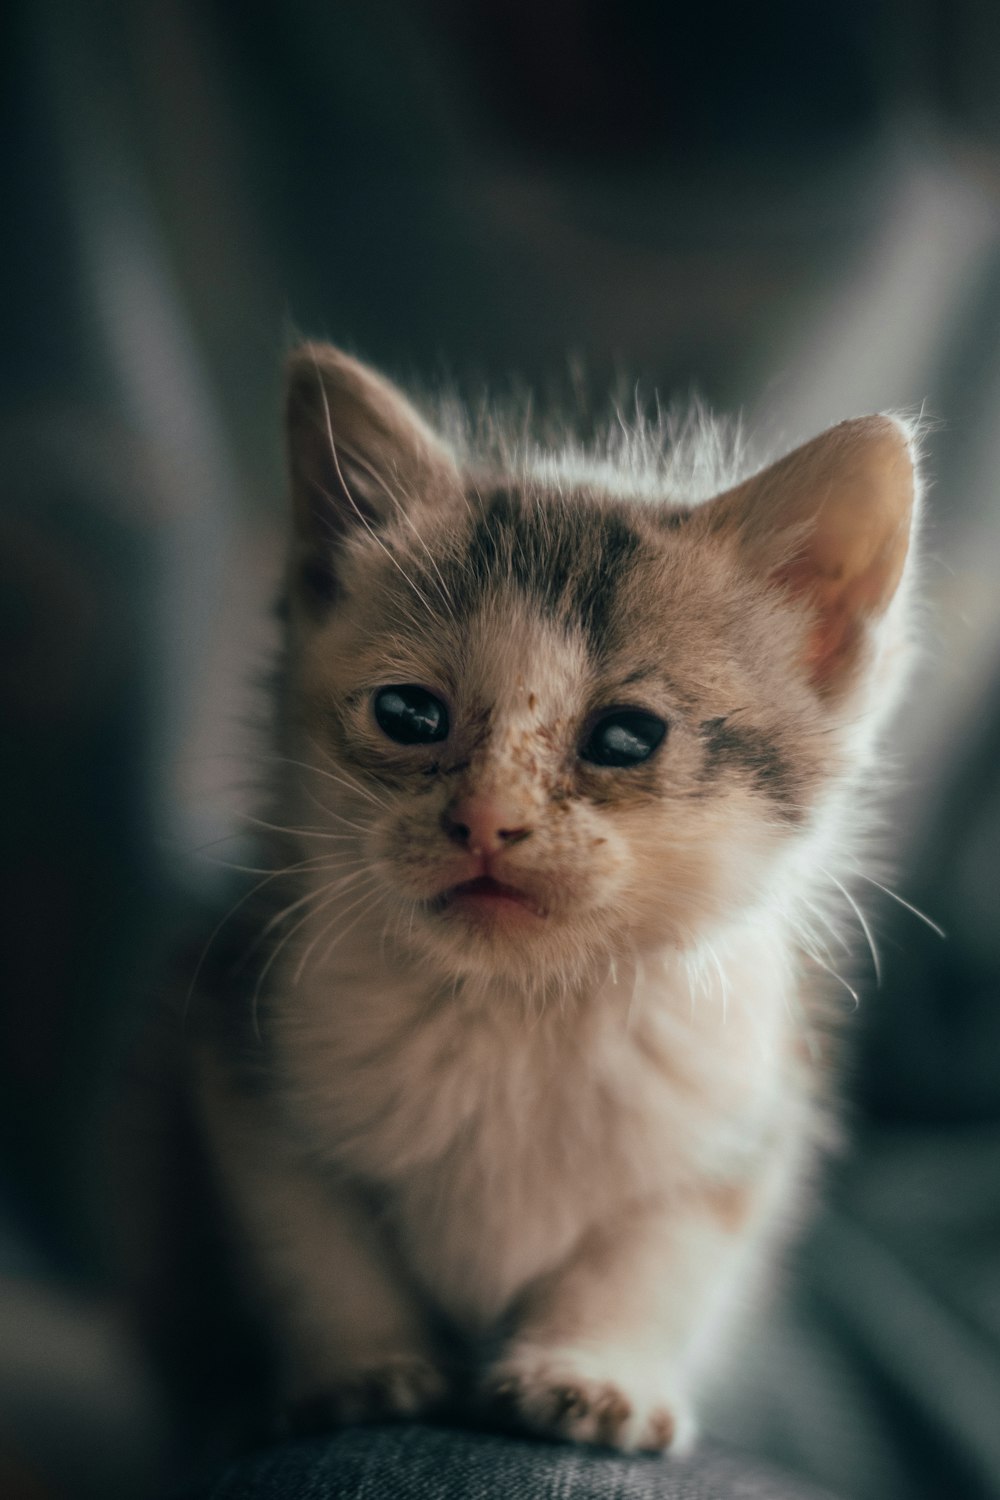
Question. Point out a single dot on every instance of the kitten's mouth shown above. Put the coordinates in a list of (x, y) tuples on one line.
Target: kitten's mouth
[(488, 896)]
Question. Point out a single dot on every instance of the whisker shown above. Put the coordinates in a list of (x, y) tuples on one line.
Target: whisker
[(636, 978), (816, 958), (305, 833), (404, 515), (300, 966), (822, 918), (354, 504), (281, 916), (281, 945), (273, 875), (323, 890), (723, 981), (366, 896), (351, 781), (861, 919), (350, 786), (895, 896), (318, 862), (329, 812)]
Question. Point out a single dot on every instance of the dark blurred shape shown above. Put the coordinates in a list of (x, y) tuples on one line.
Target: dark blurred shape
[(638, 84)]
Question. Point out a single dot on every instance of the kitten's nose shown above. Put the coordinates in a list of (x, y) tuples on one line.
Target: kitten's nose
[(484, 824)]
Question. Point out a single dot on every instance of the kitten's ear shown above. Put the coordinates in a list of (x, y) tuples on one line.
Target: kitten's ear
[(830, 524), (358, 454)]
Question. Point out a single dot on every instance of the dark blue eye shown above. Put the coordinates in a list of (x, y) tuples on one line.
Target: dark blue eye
[(623, 737), (410, 715)]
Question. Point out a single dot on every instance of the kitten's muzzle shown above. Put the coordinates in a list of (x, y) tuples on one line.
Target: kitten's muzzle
[(484, 824)]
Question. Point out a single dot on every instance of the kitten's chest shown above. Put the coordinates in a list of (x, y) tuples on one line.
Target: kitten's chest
[(497, 1139)]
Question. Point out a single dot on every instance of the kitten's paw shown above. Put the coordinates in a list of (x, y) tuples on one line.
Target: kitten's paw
[(583, 1398), (402, 1385)]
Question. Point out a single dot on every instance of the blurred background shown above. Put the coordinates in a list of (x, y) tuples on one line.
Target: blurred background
[(793, 210)]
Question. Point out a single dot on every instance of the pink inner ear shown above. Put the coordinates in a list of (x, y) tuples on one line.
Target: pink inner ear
[(850, 580), (835, 634), (829, 524)]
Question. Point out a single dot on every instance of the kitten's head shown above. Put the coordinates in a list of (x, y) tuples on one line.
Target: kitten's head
[(553, 723)]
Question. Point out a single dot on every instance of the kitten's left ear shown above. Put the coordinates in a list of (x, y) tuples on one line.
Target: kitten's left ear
[(358, 454), (831, 524)]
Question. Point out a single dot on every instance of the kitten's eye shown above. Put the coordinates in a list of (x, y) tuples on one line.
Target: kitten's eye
[(623, 737), (410, 715)]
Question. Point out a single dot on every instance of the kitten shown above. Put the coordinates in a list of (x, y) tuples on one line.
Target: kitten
[(567, 769)]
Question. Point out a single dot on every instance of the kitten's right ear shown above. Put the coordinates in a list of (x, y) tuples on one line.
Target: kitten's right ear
[(358, 454), (830, 525)]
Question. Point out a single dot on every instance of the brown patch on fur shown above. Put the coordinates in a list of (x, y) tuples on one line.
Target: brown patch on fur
[(744, 748), (569, 557)]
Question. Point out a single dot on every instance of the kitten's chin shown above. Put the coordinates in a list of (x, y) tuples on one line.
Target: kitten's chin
[(485, 927)]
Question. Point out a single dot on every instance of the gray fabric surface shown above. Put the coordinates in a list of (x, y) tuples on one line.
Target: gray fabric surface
[(429, 1463)]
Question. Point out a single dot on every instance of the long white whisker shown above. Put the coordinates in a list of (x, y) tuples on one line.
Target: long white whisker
[(862, 920), (351, 781), (365, 896), (357, 509), (323, 890), (350, 786), (822, 918), (330, 886), (636, 976), (816, 958), (895, 896), (304, 833), (723, 981), (318, 862), (404, 515), (273, 875), (285, 940), (329, 812)]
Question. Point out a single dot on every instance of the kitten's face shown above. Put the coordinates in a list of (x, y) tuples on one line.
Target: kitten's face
[(610, 740), (562, 726)]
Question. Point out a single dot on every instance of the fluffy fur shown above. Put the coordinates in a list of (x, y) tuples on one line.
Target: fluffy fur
[(535, 1145)]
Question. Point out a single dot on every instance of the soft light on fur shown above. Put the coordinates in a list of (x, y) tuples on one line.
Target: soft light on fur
[(525, 1092)]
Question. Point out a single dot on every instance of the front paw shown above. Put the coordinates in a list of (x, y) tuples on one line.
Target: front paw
[(588, 1396), (402, 1385)]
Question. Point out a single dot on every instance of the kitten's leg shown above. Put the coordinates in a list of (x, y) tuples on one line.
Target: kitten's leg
[(353, 1339), (607, 1348)]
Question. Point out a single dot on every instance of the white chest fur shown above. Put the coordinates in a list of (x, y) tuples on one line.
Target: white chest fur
[(499, 1130)]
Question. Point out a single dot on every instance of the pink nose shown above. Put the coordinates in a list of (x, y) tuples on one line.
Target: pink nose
[(483, 824)]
